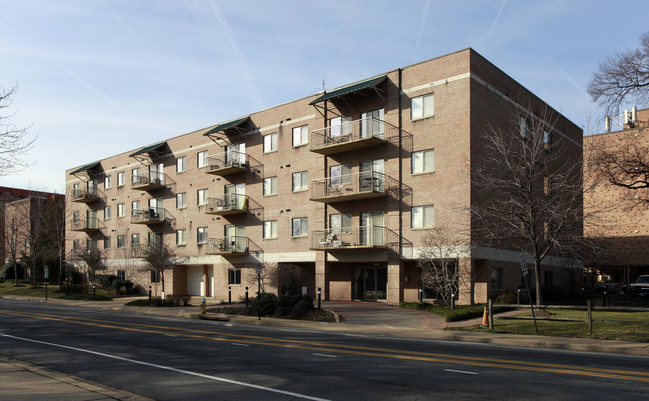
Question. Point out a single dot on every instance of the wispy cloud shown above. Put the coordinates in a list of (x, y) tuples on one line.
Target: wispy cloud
[(422, 25), (500, 10)]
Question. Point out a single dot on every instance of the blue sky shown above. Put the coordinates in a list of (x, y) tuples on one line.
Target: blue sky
[(101, 77)]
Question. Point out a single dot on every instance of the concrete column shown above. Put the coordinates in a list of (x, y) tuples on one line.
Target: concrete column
[(395, 281), (321, 276)]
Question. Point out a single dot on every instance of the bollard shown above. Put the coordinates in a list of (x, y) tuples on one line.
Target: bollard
[(590, 317), (491, 315), (149, 293), (518, 298), (452, 301), (605, 299), (94, 288), (229, 295), (203, 306), (246, 297), (319, 298), (421, 297)]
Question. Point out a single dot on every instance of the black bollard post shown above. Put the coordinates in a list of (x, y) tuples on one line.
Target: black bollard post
[(246, 297), (94, 288), (319, 298), (229, 295), (149, 293)]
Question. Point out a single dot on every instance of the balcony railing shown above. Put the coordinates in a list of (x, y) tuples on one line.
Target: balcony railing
[(84, 195), (85, 224), (229, 245), (152, 215), (353, 238), (363, 185), (352, 135), (227, 204), (149, 181), (226, 163)]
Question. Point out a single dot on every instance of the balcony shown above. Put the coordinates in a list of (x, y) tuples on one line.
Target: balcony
[(153, 215), (230, 245), (227, 205), (363, 185), (85, 224), (227, 163), (86, 195), (352, 135), (149, 182), (363, 237)]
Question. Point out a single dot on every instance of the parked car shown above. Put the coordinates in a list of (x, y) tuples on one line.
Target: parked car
[(640, 287)]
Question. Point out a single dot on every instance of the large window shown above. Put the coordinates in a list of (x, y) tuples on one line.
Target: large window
[(340, 174), (422, 106), (106, 242), (201, 235), (340, 223), (107, 213), (120, 179), (423, 216), (135, 175), (120, 210), (270, 186), (270, 143), (108, 182), (135, 207), (181, 200), (121, 242), (135, 240), (181, 164), (301, 135), (201, 197), (234, 276), (155, 276), (525, 127), (423, 161), (202, 159), (300, 181), (181, 237), (270, 229), (300, 227)]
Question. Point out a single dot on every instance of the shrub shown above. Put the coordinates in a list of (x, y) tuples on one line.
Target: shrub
[(73, 277), (123, 287), (415, 305), (461, 312), (178, 300), (265, 304), (105, 280), (70, 289), (506, 298), (301, 309)]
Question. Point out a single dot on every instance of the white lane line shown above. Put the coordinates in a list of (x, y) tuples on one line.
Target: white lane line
[(170, 335), (461, 371), (187, 372), (241, 345), (325, 355)]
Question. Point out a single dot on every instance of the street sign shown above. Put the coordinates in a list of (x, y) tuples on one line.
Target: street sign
[(259, 268), (46, 271), (523, 265)]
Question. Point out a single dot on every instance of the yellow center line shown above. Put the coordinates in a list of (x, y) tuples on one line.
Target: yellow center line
[(346, 349)]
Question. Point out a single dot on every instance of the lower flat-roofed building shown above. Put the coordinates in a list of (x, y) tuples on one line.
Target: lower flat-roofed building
[(344, 186)]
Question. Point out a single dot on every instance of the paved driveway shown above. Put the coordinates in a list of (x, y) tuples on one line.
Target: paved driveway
[(379, 314)]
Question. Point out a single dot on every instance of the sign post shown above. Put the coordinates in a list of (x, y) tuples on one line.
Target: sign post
[(259, 268), (46, 274), (525, 273)]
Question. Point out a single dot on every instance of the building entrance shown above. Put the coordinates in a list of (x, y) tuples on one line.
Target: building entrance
[(370, 282)]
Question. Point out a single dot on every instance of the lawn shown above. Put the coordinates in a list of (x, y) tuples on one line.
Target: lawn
[(8, 288), (607, 325)]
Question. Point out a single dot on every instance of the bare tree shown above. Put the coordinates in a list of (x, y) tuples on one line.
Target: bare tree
[(93, 259), (622, 77), (285, 277), (438, 261), (159, 258), (56, 231), (35, 235), (531, 187), (14, 141), (13, 239)]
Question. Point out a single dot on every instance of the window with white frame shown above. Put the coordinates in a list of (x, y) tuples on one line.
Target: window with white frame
[(181, 200), (181, 164), (120, 210), (107, 212), (120, 179), (340, 174), (299, 227), (300, 181), (301, 135), (201, 197), (270, 186), (201, 235), (106, 242), (135, 175), (423, 161), (270, 229), (135, 207), (270, 143), (135, 240), (340, 223), (423, 216), (234, 276), (422, 106), (108, 182), (202, 159), (181, 237), (121, 244)]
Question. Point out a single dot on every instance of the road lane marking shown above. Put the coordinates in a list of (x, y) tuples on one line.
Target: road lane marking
[(187, 372), (325, 355), (460, 371), (241, 345)]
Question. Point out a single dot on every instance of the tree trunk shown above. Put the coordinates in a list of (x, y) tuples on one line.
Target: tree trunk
[(537, 279)]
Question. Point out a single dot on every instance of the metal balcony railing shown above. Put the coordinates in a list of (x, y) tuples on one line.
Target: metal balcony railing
[(148, 181), (227, 204), (152, 215), (84, 224), (353, 238), (352, 135), (84, 195), (366, 184), (229, 245), (229, 162)]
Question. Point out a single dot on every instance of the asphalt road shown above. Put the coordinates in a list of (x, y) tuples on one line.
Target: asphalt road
[(185, 359)]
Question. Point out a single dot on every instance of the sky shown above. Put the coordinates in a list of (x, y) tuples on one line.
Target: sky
[(101, 77)]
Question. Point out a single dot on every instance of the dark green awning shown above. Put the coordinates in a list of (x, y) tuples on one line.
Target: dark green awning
[(147, 149), (85, 168), (351, 88), (228, 125)]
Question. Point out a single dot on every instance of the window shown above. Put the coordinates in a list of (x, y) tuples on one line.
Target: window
[(135, 240), (234, 276), (422, 217), (422, 106), (270, 186), (201, 197), (121, 274), (301, 135), (135, 207), (155, 276), (181, 164), (108, 182), (120, 210), (107, 212), (340, 223), (340, 174), (121, 244), (201, 235), (300, 181), (270, 143), (181, 238), (525, 127), (423, 161), (181, 200), (340, 126), (106, 242), (135, 175), (547, 139), (202, 159), (120, 179), (497, 277), (270, 229), (300, 227), (75, 244)]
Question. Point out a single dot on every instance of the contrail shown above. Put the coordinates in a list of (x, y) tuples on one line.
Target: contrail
[(500, 10), (422, 24)]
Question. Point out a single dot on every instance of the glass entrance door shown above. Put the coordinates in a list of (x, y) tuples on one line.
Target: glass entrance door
[(370, 282)]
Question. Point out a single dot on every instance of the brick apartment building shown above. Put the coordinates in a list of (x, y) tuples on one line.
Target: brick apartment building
[(345, 184)]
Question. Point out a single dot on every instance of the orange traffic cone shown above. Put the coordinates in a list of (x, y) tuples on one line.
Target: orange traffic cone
[(485, 318)]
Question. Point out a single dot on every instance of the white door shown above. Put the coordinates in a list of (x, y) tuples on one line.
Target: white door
[(195, 283), (372, 124), (372, 177), (372, 229), (155, 209), (236, 154), (235, 240), (235, 196), (156, 175)]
